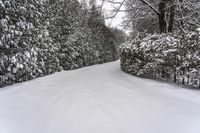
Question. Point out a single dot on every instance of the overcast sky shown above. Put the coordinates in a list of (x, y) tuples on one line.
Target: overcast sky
[(117, 21), (107, 9)]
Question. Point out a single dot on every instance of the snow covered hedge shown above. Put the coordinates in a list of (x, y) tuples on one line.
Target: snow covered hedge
[(165, 57), (38, 38)]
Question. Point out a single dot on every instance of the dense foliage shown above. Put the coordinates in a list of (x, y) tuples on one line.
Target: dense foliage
[(165, 57), (38, 38)]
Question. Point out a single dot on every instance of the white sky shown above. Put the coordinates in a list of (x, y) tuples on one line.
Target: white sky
[(117, 21), (107, 9)]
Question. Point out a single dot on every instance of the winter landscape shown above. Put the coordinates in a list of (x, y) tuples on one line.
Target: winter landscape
[(100, 66)]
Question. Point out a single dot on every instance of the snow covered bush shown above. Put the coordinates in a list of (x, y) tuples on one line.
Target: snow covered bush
[(81, 40), (38, 38), (24, 42), (165, 57)]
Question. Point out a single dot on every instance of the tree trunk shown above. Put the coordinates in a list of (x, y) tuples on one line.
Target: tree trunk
[(171, 18), (183, 81), (162, 17), (180, 4), (188, 79), (199, 83), (175, 79), (165, 23)]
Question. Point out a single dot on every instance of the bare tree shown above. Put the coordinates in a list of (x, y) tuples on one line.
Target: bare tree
[(165, 12)]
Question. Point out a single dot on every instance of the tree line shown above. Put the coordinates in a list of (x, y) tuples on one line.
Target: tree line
[(38, 38), (164, 39)]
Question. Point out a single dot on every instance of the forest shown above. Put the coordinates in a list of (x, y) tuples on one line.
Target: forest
[(38, 38)]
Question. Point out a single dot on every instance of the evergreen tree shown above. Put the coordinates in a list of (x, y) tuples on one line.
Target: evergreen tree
[(38, 38), (24, 41), (102, 37)]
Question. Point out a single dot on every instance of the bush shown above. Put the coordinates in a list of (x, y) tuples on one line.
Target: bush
[(38, 38), (165, 57)]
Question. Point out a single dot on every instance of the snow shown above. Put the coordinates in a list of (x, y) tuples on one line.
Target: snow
[(98, 99), (198, 29), (4, 22)]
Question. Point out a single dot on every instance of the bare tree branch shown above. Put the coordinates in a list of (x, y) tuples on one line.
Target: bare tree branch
[(117, 10), (102, 3), (150, 6)]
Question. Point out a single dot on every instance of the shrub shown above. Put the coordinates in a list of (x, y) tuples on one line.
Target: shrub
[(165, 57)]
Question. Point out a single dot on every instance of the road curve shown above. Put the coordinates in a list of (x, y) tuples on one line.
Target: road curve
[(98, 99)]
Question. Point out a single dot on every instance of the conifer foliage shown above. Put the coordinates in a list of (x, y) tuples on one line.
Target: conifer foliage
[(38, 38), (164, 57)]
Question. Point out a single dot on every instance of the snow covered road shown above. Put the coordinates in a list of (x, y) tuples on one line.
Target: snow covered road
[(98, 99)]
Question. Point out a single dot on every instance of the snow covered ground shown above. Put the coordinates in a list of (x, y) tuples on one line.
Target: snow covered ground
[(98, 99)]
